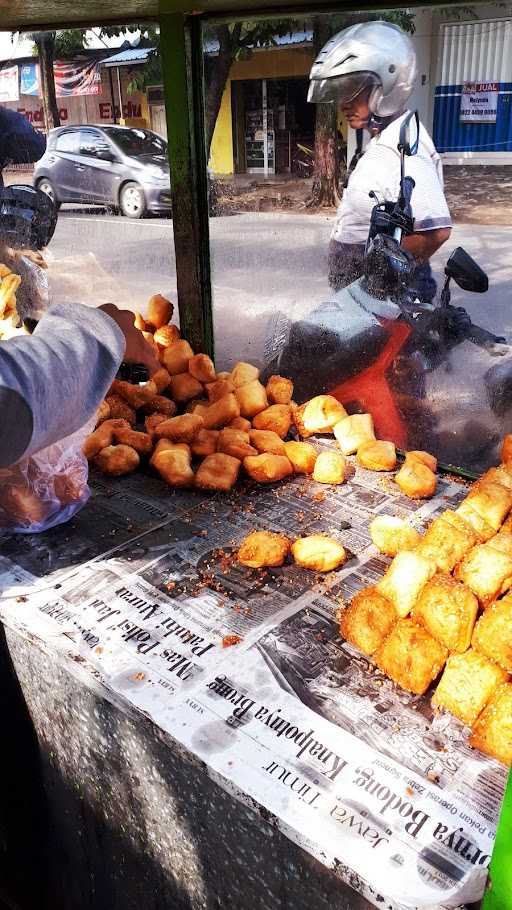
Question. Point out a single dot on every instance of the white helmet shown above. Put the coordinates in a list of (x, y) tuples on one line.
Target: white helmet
[(372, 54)]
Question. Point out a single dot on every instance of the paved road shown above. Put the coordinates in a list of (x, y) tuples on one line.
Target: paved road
[(261, 263)]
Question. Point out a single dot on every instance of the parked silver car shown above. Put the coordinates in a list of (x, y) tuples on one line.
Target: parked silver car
[(125, 168)]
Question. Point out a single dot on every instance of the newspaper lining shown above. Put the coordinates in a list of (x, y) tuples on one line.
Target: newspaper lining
[(292, 718)]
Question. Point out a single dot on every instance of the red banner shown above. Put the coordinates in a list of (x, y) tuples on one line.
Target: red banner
[(76, 79)]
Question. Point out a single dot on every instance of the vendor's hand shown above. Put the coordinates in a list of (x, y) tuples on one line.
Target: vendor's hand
[(137, 348)]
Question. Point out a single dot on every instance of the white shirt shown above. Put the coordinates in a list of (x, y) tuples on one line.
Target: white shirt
[(379, 170)]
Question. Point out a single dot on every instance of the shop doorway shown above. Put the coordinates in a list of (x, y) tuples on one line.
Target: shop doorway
[(271, 119)]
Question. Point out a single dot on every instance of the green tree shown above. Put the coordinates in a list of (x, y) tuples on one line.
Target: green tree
[(45, 46)]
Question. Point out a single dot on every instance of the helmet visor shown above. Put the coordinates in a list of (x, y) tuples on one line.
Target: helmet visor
[(340, 89)]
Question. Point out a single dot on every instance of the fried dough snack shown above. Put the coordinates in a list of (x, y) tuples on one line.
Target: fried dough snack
[(492, 636), (205, 443), (119, 409), (160, 311), (352, 431), (218, 389), (221, 412), (179, 429), (160, 405), (152, 422), (166, 336), (139, 322), (302, 456), (242, 373), (263, 548), (267, 441), (141, 442), (411, 657), (405, 579), (135, 395), (173, 463), (184, 387), (103, 436), (235, 443), (318, 415), (162, 380), (277, 418), (446, 545), (103, 412), (487, 571), (319, 553), (392, 535), (447, 609), (117, 460), (330, 467), (252, 398), (8, 287), (467, 684), (506, 449), (368, 620), (240, 423), (492, 732), (152, 343), (279, 390), (23, 505), (217, 472), (176, 356), (424, 458), (377, 455), (268, 468), (416, 480), (201, 367)]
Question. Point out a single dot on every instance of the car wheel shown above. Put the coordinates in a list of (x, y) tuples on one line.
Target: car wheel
[(48, 188), (132, 201)]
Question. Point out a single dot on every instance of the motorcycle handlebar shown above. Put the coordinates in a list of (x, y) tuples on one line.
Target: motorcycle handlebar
[(409, 185)]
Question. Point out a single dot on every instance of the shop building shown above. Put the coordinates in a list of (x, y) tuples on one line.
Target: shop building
[(463, 95)]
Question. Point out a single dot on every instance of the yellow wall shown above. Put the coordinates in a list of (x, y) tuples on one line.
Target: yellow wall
[(277, 63)]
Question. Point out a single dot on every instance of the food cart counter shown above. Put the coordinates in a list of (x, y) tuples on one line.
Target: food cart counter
[(203, 732)]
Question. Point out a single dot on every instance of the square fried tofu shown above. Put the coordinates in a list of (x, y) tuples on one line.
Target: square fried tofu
[(405, 579), (467, 684), (391, 534), (368, 620), (352, 431), (492, 732), (445, 544), (480, 526), (502, 541), (411, 657), (217, 472), (487, 571), (493, 633), (447, 609), (492, 501)]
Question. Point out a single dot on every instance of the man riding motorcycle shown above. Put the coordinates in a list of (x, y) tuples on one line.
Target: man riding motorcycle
[(369, 70), (378, 344)]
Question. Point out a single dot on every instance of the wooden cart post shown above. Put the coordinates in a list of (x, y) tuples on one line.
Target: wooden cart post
[(182, 66)]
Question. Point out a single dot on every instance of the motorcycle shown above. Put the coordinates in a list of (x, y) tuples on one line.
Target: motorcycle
[(429, 376)]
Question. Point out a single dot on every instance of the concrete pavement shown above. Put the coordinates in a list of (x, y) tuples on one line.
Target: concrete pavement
[(262, 262)]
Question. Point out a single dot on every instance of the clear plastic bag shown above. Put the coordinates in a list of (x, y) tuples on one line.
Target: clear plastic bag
[(45, 489)]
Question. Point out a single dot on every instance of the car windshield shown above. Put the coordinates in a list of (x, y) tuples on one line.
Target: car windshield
[(136, 143)]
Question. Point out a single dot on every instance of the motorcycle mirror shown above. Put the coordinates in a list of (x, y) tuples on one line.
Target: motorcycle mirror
[(466, 272), (409, 135)]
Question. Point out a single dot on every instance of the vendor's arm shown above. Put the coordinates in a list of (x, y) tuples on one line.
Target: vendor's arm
[(52, 382), (20, 143), (424, 244)]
